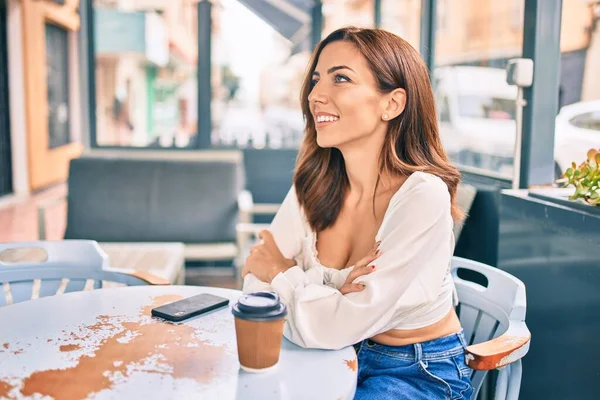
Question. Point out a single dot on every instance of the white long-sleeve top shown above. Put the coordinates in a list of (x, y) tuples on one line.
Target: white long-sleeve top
[(411, 287)]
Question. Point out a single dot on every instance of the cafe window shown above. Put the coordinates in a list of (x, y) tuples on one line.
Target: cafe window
[(57, 65), (146, 74), (472, 47), (444, 110), (578, 120), (403, 18), (340, 13), (257, 76)]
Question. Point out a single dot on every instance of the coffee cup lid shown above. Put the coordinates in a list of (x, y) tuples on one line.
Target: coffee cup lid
[(259, 306)]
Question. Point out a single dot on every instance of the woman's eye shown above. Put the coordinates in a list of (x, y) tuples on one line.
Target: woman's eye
[(341, 78), (313, 83)]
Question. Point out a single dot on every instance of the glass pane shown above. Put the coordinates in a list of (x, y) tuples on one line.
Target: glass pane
[(57, 66), (6, 184), (338, 14), (578, 121), (260, 52), (402, 17), (476, 107), (146, 82)]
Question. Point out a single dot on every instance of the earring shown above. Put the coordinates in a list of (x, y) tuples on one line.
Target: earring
[(385, 116)]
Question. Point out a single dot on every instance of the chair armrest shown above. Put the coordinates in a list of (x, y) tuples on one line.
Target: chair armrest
[(147, 277), (266, 208), (250, 228), (246, 234), (245, 205), (41, 212), (502, 351), (248, 208)]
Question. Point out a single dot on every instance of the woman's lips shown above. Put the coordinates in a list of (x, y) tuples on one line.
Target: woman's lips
[(325, 120)]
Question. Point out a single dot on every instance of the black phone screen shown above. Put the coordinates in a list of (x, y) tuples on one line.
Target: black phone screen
[(190, 307)]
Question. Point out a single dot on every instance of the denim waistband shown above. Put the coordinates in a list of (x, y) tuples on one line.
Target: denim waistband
[(436, 349)]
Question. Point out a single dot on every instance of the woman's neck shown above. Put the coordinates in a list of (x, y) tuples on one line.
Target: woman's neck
[(362, 168)]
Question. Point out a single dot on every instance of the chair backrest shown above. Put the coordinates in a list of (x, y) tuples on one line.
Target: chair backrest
[(153, 196), (29, 270), (465, 195), (269, 175), (488, 299)]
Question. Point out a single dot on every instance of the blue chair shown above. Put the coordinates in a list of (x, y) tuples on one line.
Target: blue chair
[(492, 306), (269, 175), (29, 270)]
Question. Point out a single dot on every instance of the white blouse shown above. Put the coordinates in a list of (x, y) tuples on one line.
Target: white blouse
[(411, 287)]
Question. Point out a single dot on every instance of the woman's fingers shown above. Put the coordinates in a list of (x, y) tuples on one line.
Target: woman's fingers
[(357, 272), (267, 239), (269, 243), (245, 271), (362, 267), (257, 248), (352, 287), (372, 256)]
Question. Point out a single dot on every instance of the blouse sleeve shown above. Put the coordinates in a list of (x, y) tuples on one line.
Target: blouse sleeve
[(416, 245), (288, 231)]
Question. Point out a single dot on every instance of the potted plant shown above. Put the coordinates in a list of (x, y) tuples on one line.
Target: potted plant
[(585, 178)]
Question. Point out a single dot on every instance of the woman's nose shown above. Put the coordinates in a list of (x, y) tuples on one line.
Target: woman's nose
[(317, 95)]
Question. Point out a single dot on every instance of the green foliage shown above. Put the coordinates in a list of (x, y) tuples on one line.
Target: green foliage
[(585, 178)]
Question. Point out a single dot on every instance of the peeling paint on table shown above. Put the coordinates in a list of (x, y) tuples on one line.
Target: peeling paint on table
[(352, 364), (106, 344)]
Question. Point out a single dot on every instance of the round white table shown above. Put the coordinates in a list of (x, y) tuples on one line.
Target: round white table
[(105, 344)]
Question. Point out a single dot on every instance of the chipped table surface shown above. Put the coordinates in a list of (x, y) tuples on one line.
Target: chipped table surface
[(104, 344)]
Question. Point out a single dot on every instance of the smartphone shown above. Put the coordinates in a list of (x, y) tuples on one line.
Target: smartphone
[(187, 308)]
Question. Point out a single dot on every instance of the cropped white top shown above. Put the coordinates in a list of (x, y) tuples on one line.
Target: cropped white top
[(411, 288)]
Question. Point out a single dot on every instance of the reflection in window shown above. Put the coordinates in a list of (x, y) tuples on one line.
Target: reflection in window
[(486, 107), (589, 120), (474, 41), (257, 75), (340, 13), (402, 17), (579, 93), (442, 15), (146, 79), (57, 67), (444, 110)]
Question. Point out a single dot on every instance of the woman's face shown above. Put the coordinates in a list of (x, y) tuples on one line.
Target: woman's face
[(344, 101)]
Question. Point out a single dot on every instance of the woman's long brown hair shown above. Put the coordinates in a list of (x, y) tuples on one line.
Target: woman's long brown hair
[(412, 142)]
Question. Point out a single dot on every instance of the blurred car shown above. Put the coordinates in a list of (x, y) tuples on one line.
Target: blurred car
[(284, 126), (476, 111), (577, 131)]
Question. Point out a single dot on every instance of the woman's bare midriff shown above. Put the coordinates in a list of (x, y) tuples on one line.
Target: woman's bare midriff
[(444, 327)]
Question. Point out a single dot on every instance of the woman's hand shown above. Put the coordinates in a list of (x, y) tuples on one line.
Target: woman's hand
[(265, 260), (361, 268)]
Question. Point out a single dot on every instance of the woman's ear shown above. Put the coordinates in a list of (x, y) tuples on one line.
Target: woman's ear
[(396, 102)]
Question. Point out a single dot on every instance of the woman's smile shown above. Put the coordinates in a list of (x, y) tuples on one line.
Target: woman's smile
[(323, 119)]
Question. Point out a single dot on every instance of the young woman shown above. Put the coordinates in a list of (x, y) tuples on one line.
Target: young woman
[(372, 179)]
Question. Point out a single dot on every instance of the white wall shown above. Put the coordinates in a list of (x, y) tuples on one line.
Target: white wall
[(591, 76), (75, 125), (18, 126)]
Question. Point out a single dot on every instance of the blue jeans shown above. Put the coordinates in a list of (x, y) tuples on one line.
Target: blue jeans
[(431, 370)]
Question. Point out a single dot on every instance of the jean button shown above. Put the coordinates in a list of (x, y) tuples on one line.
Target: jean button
[(370, 343)]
